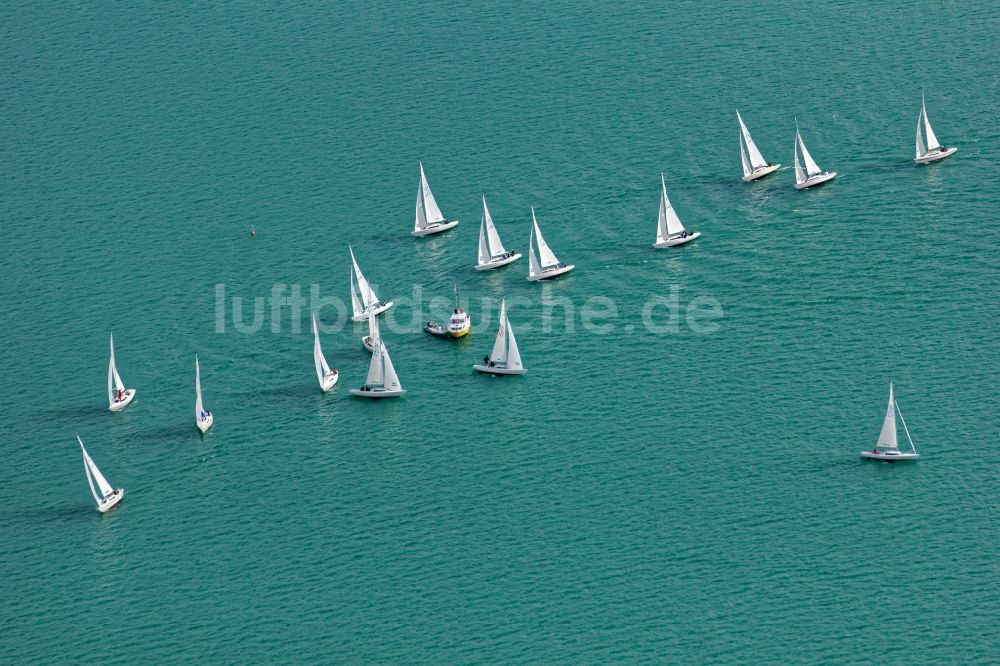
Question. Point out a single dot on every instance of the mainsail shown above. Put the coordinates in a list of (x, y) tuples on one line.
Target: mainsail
[(756, 159), (667, 223), (887, 437)]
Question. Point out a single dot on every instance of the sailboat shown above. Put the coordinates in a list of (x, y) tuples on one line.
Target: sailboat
[(202, 417), (327, 377), (382, 381), (118, 395), (812, 174), (929, 150), (887, 448), (505, 359), (429, 219), (363, 299), (754, 164), (109, 496), (492, 253), (669, 230), (549, 266), (368, 342)]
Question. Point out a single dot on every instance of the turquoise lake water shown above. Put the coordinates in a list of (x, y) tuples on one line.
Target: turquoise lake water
[(681, 495)]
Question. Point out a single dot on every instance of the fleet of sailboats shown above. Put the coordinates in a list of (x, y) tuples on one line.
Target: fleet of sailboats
[(929, 149), (429, 219), (754, 164), (492, 253), (202, 417), (505, 358), (811, 174), (327, 378), (887, 446), (544, 265), (108, 497), (118, 396), (363, 298), (669, 230)]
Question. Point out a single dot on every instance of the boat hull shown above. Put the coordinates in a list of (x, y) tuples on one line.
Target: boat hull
[(124, 402), (366, 342), (107, 505), (760, 173), (435, 228), (379, 310), (548, 275), (679, 240), (497, 370), (378, 393), (889, 457), (206, 423), (818, 179), (498, 263), (935, 156), (330, 381)]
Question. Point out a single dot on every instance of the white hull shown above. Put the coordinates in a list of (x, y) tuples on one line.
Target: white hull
[(497, 263), (378, 310), (816, 180), (366, 342), (378, 393), (205, 423), (678, 240), (497, 370), (889, 455), (551, 273), (760, 173), (935, 156), (124, 402), (108, 504), (435, 228), (330, 381)]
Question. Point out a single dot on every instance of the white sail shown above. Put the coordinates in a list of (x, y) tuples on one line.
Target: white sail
[(800, 175), (375, 366), (432, 214), (484, 250), (932, 142), (420, 223), (533, 268), (667, 223), (547, 257), (756, 159), (811, 167), (513, 353), (921, 150), (320, 361), (92, 471), (114, 379), (389, 379), (887, 437), (499, 353), (198, 407), (364, 288), (743, 159), (492, 237)]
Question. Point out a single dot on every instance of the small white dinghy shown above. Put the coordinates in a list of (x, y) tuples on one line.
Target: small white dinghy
[(929, 150), (812, 174), (669, 230), (754, 164), (202, 417), (505, 359), (429, 218), (327, 378), (363, 299), (382, 381), (118, 396), (109, 497), (492, 253), (887, 448), (545, 265)]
